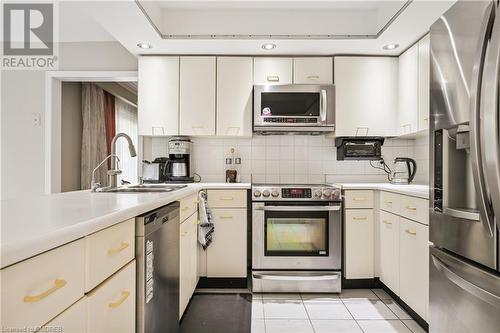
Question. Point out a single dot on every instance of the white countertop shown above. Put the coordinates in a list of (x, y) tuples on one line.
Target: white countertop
[(32, 225), (420, 191)]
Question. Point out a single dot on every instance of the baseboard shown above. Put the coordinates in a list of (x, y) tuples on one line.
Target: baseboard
[(360, 283), (222, 283), (421, 321)]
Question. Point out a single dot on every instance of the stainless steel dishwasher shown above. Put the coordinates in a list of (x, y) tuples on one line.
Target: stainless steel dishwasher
[(157, 247)]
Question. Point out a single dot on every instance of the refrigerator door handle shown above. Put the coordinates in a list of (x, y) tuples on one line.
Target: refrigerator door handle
[(464, 284), (489, 120), (485, 208)]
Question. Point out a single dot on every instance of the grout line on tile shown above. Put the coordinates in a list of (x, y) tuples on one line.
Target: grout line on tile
[(307, 312), (351, 315)]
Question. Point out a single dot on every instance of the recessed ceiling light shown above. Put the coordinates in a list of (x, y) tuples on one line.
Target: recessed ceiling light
[(144, 45), (390, 46), (268, 46)]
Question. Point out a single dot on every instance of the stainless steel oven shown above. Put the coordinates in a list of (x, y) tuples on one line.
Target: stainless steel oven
[(296, 238), (294, 108)]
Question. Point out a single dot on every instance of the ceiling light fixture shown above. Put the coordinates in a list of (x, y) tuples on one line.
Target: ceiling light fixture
[(390, 47), (144, 45), (269, 46)]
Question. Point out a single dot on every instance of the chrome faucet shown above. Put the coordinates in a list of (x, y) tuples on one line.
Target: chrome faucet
[(114, 171)]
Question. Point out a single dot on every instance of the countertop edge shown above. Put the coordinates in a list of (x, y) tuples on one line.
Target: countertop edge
[(410, 191), (15, 252)]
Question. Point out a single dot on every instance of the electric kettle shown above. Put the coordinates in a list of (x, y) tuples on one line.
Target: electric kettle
[(404, 170)]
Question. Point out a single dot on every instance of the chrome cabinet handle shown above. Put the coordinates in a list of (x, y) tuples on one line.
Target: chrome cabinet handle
[(411, 232), (283, 277), (486, 210), (465, 284), (408, 207), (273, 78), (298, 208)]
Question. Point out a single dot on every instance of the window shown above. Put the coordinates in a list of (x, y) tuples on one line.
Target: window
[(126, 122)]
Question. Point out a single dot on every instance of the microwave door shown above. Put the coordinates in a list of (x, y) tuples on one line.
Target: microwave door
[(290, 104)]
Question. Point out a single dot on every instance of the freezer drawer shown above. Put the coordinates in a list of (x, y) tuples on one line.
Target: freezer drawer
[(463, 298)]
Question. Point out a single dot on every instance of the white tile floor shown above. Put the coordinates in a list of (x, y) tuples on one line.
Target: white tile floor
[(352, 311)]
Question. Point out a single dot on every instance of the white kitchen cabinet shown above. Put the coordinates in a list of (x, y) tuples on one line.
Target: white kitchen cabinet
[(408, 91), (227, 255), (313, 70), (41, 287), (359, 244), (273, 70), (188, 261), (423, 82), (366, 95), (71, 320), (111, 306), (389, 250), (197, 96), (158, 95), (414, 265), (234, 96)]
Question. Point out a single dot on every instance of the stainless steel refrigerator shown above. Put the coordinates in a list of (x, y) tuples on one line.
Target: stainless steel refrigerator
[(464, 291)]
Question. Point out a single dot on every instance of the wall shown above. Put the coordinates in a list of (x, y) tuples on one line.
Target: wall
[(421, 156), (71, 136), (23, 95), (281, 159)]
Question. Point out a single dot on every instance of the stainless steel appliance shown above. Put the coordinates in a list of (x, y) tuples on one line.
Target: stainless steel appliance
[(157, 256), (359, 147), (305, 108), (404, 170), (465, 184), (179, 164), (296, 238)]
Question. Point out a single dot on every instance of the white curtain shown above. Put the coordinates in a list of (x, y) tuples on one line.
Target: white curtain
[(126, 122), (94, 148)]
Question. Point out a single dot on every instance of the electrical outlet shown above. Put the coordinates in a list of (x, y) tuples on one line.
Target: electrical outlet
[(37, 121)]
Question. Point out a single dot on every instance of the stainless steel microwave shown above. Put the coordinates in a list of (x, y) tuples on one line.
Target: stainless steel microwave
[(305, 108)]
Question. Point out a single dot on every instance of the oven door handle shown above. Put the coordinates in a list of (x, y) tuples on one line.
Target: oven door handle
[(298, 208), (302, 277)]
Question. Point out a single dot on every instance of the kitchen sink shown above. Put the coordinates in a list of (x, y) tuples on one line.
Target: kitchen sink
[(144, 188)]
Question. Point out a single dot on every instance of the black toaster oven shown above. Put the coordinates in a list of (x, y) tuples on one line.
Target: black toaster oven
[(359, 148)]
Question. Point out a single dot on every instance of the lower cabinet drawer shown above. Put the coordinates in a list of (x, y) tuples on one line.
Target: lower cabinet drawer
[(416, 209), (111, 306), (188, 206), (358, 199), (359, 258), (390, 202), (107, 251), (38, 289), (72, 320), (227, 198)]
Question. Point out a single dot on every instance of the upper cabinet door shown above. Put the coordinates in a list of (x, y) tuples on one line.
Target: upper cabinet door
[(366, 95), (234, 96), (313, 70), (408, 91), (423, 82), (273, 70), (197, 96), (158, 95)]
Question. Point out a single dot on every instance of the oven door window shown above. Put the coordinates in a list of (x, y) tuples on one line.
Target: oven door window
[(296, 234), (290, 104)]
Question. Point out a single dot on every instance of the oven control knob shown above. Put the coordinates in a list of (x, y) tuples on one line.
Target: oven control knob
[(266, 193), (336, 194), (327, 193), (318, 194), (275, 193), (256, 193)]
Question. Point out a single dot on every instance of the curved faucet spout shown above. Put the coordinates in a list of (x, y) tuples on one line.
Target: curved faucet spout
[(113, 173)]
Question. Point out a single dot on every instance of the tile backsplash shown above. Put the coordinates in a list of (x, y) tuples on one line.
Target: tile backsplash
[(290, 159)]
